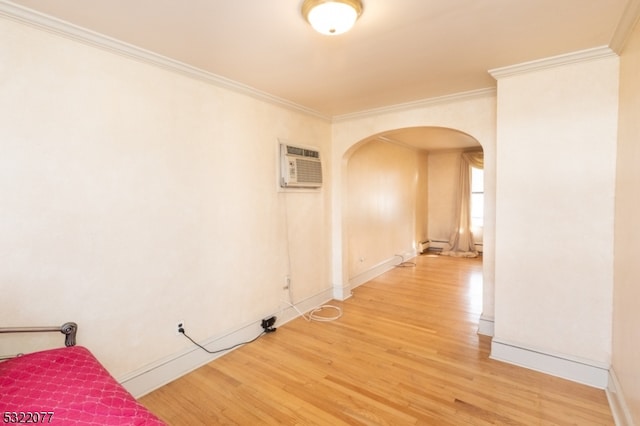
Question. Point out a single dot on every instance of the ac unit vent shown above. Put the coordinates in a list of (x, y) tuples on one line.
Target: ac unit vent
[(300, 167), (302, 152)]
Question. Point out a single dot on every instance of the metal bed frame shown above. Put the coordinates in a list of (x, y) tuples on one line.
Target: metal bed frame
[(69, 329)]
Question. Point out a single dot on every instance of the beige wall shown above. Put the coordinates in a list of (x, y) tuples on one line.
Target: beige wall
[(626, 312), (554, 209), (134, 197), (444, 173), (422, 198), (387, 204)]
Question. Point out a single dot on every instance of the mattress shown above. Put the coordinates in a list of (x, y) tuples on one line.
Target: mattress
[(66, 386)]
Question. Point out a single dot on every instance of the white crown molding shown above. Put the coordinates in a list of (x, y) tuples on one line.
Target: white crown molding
[(489, 91), (627, 22), (552, 62), (92, 38)]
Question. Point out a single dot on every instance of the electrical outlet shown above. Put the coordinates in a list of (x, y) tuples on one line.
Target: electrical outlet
[(179, 325), (287, 282)]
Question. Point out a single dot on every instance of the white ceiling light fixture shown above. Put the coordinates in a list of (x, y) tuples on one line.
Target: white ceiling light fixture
[(331, 17)]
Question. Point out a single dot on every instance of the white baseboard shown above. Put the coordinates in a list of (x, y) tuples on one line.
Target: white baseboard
[(379, 269), (158, 374), (342, 292), (438, 244), (485, 326), (582, 371), (617, 402)]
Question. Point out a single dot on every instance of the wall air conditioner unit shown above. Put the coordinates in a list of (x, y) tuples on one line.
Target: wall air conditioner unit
[(299, 167)]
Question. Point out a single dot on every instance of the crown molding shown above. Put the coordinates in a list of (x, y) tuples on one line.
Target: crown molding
[(627, 22), (553, 61), (489, 91), (65, 29)]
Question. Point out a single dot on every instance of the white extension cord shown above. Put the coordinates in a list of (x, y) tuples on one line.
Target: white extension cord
[(312, 315)]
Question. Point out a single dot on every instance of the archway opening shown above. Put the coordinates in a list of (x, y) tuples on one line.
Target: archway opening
[(400, 197)]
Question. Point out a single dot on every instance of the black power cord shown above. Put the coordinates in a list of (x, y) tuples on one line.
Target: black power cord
[(267, 325), (181, 330)]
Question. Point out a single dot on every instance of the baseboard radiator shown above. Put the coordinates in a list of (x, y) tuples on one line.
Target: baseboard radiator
[(438, 245)]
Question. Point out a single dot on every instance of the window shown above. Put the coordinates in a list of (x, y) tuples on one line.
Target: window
[(477, 197)]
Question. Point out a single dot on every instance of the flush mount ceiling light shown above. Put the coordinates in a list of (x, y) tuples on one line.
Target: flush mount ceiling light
[(331, 17)]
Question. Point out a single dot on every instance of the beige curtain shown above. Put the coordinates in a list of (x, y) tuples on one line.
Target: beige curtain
[(461, 243)]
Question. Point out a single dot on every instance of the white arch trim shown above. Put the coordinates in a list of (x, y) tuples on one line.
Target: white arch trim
[(474, 115)]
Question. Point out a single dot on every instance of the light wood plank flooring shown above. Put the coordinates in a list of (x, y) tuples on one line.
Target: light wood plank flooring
[(405, 352)]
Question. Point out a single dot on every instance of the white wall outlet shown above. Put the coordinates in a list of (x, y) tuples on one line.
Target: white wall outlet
[(179, 325)]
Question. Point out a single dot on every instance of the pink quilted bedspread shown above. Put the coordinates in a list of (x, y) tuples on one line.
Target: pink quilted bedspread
[(66, 386)]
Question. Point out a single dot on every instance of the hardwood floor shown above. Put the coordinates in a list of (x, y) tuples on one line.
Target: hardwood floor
[(405, 352)]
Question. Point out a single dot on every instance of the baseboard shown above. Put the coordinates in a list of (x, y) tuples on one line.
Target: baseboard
[(342, 292), (379, 269), (617, 402), (485, 326), (586, 372), (438, 244), (158, 374)]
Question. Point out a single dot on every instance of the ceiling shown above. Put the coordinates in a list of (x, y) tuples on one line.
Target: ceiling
[(429, 138), (399, 51)]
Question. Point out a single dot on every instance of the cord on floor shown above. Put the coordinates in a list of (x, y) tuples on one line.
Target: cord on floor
[(403, 263), (182, 331), (313, 314)]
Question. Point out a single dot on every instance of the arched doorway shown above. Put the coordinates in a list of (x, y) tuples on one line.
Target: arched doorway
[(473, 116), (395, 201)]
